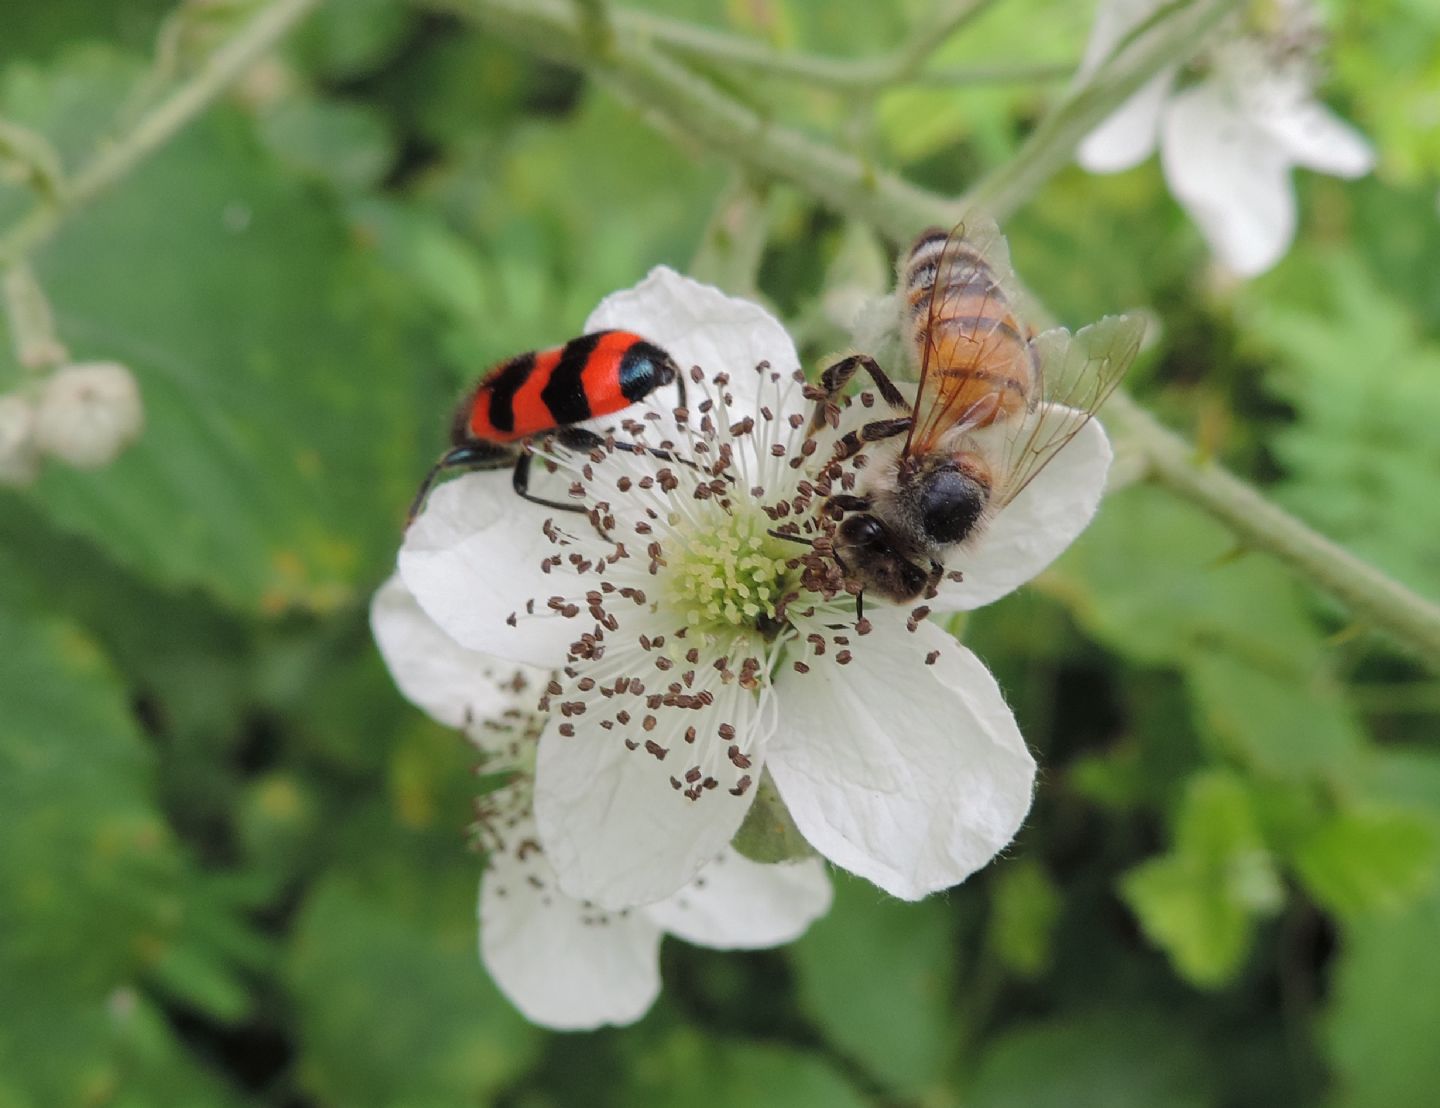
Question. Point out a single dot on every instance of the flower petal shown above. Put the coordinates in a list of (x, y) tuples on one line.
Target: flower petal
[(1127, 136), (1317, 138), (563, 963), (1114, 19), (1035, 528), (629, 808), (458, 687), (912, 775), (1231, 176), (472, 560), (737, 904), (700, 326)]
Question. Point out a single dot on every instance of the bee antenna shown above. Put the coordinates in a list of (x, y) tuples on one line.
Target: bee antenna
[(801, 539)]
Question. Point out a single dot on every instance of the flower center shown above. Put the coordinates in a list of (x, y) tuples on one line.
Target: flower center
[(725, 571)]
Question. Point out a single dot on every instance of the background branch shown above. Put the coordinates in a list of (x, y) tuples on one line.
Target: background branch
[(114, 161)]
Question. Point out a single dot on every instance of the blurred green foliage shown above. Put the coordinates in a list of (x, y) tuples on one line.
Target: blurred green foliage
[(233, 865)]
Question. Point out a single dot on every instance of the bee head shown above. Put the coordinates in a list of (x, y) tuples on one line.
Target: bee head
[(867, 551), (951, 502)]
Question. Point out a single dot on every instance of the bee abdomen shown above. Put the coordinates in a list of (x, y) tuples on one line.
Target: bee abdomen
[(964, 332)]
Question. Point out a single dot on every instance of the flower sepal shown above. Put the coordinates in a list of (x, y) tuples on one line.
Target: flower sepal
[(769, 834)]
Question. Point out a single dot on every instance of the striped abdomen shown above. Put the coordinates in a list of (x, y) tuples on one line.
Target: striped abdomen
[(594, 375), (979, 357)]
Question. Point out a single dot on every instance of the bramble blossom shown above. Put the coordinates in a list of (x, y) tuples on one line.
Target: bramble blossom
[(562, 962), (1228, 141), (19, 460), (689, 655), (88, 413)]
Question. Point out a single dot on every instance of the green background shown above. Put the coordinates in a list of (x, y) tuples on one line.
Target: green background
[(233, 861)]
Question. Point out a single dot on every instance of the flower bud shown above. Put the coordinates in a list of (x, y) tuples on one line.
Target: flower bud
[(19, 462), (89, 413)]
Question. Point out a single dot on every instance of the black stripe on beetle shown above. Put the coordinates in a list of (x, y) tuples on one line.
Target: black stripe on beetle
[(564, 393)]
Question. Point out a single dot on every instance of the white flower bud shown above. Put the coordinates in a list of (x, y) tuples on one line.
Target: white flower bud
[(19, 462), (89, 413)]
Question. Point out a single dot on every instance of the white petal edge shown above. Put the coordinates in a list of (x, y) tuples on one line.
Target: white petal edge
[(616, 830), (562, 963), (472, 558), (737, 904), (1231, 176), (1114, 19), (457, 687), (912, 776), (1035, 528), (701, 326), (1127, 136), (1318, 139)]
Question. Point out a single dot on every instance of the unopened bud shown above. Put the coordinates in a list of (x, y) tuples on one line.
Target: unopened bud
[(19, 461), (88, 414)]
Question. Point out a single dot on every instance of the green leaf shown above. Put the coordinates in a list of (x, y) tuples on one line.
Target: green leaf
[(1157, 581), (1026, 907), (1360, 458), (1199, 902), (346, 40), (345, 145), (1369, 859), (1115, 1059), (688, 1069), (394, 947), (284, 392), (90, 879), (1381, 1022), (878, 978)]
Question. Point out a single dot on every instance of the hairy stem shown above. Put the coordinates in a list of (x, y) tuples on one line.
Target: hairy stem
[(1370, 596), (902, 65), (116, 159)]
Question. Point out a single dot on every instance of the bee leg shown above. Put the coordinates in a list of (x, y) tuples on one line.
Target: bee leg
[(853, 442), (477, 455), (837, 376)]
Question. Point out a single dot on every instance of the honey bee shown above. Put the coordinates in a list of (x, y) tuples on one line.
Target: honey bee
[(994, 405)]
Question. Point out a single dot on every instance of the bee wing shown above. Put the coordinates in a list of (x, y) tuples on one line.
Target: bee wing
[(1078, 373), (974, 262)]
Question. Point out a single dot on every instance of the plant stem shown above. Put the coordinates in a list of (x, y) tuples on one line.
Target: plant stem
[(1370, 596), (663, 89), (1166, 39), (115, 160), (659, 86), (901, 65)]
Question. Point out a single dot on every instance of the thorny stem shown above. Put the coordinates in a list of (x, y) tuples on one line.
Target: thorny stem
[(686, 103), (115, 160)]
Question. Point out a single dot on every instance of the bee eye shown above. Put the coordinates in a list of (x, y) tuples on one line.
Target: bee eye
[(862, 531), (951, 505)]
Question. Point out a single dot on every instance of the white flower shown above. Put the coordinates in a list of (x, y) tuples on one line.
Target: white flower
[(19, 462), (688, 656), (88, 413), (1229, 141), (565, 963)]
